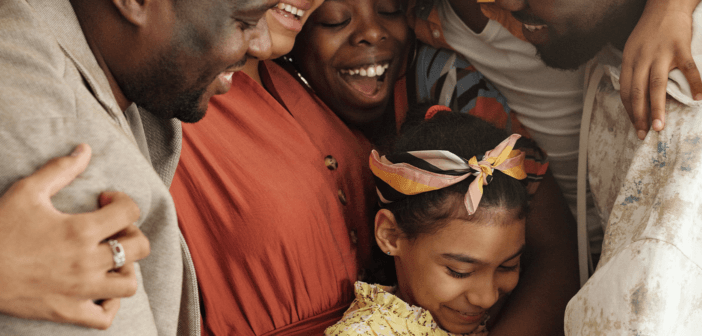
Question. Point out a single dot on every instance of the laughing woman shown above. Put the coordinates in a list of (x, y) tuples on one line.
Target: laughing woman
[(274, 200), (342, 48)]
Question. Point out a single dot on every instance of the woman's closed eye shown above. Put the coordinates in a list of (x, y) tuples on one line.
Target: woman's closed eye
[(397, 12), (337, 24), (390, 8)]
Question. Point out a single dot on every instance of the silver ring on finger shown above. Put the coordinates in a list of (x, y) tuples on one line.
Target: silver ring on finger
[(118, 255)]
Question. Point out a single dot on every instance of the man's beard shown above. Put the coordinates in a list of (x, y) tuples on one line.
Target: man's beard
[(158, 88), (571, 51)]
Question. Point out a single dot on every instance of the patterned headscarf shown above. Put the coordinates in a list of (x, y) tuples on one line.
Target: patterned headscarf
[(403, 174)]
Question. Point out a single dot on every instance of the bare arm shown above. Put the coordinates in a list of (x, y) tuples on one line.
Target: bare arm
[(550, 277), (659, 43), (54, 265)]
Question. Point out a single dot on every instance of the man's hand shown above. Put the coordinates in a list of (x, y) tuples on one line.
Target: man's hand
[(659, 43), (56, 266)]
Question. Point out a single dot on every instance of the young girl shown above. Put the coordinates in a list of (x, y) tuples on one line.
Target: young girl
[(453, 219)]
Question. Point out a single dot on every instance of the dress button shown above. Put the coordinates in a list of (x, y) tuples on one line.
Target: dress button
[(353, 237), (342, 196), (330, 162), (436, 33)]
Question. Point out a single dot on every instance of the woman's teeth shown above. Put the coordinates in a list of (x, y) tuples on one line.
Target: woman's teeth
[(368, 71), (533, 28), (291, 9)]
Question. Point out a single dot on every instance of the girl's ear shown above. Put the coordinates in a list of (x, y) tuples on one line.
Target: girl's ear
[(387, 233)]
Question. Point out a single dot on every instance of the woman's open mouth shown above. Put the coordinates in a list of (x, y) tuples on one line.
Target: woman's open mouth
[(289, 16), (367, 79)]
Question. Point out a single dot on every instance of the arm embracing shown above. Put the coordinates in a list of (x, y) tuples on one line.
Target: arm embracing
[(659, 43)]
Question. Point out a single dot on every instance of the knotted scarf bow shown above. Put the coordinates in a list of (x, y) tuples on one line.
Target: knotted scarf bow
[(400, 175)]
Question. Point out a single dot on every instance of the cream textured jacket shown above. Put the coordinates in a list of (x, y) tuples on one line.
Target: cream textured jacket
[(649, 196)]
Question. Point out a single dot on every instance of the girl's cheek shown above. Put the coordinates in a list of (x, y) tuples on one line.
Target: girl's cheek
[(508, 282)]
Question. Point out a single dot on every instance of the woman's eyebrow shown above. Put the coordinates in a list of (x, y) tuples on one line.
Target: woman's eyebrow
[(472, 260)]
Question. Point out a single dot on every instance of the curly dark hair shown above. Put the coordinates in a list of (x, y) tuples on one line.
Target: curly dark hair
[(426, 213)]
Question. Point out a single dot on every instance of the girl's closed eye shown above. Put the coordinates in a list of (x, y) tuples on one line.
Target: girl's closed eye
[(458, 275), (510, 268)]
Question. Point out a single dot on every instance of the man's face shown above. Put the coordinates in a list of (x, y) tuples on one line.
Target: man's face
[(195, 52), (568, 33)]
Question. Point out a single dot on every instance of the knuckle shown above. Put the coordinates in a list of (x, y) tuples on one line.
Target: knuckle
[(62, 163), (102, 324), (689, 65), (60, 313), (143, 247), (78, 231), (658, 82), (130, 208), (131, 287), (637, 93), (27, 184), (133, 209), (78, 283)]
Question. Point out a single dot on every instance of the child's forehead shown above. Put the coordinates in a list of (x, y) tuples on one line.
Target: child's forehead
[(483, 242)]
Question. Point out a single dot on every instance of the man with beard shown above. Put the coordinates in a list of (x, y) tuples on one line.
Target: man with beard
[(649, 278), (86, 72)]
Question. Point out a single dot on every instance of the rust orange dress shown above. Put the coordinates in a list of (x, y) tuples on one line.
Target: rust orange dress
[(274, 198)]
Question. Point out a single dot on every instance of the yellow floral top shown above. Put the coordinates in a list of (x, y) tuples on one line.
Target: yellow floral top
[(378, 312)]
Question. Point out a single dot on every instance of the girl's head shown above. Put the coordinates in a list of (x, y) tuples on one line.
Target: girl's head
[(448, 261), (286, 21), (351, 52)]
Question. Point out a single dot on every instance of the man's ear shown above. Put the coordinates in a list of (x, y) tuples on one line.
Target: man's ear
[(134, 11), (387, 233)]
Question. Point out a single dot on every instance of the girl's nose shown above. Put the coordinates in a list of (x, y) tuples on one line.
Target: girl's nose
[(485, 294)]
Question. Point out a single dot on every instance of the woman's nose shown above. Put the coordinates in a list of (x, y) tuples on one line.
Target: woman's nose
[(369, 32)]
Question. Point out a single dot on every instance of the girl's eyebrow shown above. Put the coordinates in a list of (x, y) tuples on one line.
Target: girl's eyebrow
[(471, 260)]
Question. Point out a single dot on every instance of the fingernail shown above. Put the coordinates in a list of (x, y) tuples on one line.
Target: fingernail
[(105, 199), (698, 96), (76, 151), (641, 134), (657, 125)]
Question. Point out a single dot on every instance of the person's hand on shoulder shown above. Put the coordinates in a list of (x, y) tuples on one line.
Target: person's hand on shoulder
[(59, 267), (659, 43)]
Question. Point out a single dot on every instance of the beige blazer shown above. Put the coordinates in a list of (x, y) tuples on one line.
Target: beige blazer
[(53, 96)]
